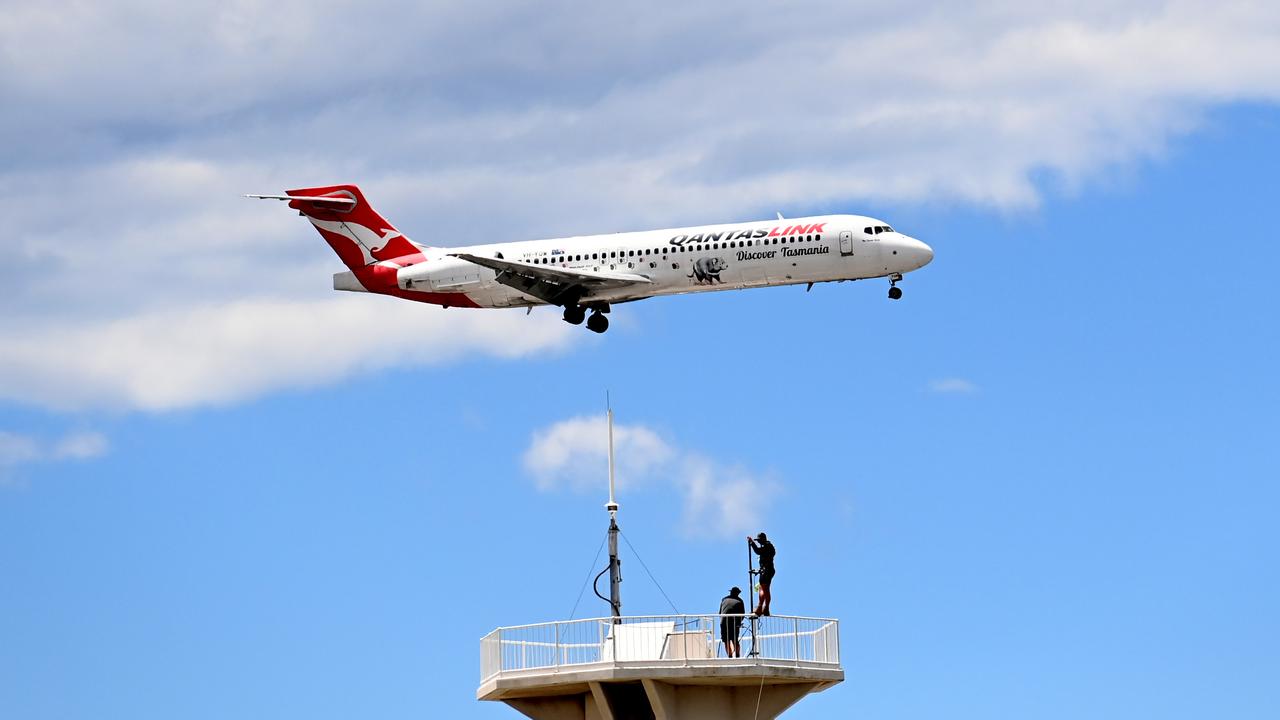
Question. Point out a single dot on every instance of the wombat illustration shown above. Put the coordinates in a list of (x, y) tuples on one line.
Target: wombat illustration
[(706, 271)]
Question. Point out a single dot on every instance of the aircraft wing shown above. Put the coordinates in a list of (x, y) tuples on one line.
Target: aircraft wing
[(551, 284)]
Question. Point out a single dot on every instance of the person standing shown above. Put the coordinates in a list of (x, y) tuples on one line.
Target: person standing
[(762, 547), (730, 626)]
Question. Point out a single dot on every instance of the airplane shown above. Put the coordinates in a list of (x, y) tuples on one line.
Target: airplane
[(591, 273)]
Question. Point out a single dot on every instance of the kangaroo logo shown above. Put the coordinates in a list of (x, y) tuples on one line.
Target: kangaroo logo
[(368, 240), (706, 271)]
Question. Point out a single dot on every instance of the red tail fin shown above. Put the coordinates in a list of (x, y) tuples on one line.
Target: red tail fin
[(356, 232)]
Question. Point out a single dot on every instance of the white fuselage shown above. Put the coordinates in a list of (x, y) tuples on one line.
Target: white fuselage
[(682, 260)]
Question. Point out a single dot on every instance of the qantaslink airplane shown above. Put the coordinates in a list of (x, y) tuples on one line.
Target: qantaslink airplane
[(591, 273)]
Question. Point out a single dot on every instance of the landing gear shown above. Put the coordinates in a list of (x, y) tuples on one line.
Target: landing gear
[(895, 292), (575, 314), (597, 323)]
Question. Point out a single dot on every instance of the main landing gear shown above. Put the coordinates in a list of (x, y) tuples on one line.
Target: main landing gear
[(574, 314), (895, 292), (597, 323)]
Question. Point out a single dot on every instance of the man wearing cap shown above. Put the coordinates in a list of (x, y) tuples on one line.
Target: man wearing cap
[(766, 551), (730, 626)]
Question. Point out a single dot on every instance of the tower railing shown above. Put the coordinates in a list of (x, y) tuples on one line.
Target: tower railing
[(657, 640)]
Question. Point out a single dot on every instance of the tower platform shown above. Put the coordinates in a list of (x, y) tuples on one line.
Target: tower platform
[(660, 666)]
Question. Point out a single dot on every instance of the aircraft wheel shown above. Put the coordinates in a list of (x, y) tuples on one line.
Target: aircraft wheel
[(597, 323), (574, 314), (895, 293)]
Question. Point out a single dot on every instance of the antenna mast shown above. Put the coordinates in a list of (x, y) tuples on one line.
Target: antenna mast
[(615, 565)]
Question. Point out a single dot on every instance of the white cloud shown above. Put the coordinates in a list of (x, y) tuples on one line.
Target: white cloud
[(80, 446), (576, 452), (229, 351), (18, 449), (719, 500), (120, 178), (952, 386)]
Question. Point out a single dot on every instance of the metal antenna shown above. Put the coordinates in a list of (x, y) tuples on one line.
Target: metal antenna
[(612, 506), (615, 565)]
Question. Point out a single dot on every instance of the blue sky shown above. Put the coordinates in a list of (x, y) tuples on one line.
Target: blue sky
[(1042, 484)]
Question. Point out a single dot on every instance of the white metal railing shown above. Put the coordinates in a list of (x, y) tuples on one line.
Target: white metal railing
[(658, 640)]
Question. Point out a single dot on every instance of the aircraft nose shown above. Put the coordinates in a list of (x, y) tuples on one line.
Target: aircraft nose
[(918, 254)]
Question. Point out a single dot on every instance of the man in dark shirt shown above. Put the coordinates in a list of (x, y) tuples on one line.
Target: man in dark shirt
[(730, 626), (766, 551)]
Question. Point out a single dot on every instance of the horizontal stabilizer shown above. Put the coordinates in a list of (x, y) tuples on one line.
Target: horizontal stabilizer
[(309, 198)]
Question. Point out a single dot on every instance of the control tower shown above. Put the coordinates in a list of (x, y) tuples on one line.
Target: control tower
[(657, 667)]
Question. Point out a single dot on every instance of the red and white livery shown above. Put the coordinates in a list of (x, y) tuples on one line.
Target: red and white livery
[(590, 273)]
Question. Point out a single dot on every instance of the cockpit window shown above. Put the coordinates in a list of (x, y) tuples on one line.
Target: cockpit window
[(879, 229), (866, 230)]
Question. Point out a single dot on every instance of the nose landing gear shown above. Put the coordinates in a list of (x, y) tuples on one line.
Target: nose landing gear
[(895, 292)]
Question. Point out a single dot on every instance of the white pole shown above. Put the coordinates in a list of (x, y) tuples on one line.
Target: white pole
[(612, 506), (615, 566)]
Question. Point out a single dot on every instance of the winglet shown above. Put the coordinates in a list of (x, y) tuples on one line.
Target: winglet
[(780, 216)]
